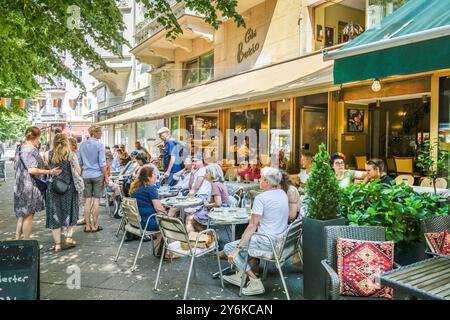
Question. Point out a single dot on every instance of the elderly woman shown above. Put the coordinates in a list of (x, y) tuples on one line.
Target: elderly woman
[(270, 215), (345, 177), (218, 198), (28, 198), (376, 170)]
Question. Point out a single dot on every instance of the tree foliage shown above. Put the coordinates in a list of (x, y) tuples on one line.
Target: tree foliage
[(433, 168), (322, 188), (34, 35), (13, 123)]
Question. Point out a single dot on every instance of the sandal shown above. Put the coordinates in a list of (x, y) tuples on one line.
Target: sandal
[(87, 230), (99, 228), (57, 247), (70, 244)]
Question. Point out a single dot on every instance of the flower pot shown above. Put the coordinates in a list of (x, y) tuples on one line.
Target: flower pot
[(411, 254), (314, 275)]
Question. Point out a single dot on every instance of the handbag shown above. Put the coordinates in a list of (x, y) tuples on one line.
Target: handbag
[(42, 185), (59, 186)]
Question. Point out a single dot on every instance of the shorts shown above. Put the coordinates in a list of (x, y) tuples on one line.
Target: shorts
[(93, 187)]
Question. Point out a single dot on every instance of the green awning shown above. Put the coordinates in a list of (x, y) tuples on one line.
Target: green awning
[(415, 38)]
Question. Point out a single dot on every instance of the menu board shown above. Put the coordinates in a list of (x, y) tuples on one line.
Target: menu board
[(19, 270)]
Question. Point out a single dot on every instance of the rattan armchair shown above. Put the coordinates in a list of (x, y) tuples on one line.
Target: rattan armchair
[(332, 233)]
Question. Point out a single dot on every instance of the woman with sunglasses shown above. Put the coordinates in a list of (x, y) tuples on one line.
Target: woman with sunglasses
[(345, 177)]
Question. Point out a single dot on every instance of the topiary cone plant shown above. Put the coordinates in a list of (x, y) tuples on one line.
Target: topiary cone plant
[(322, 188)]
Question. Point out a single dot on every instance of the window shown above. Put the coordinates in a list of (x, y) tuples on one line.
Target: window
[(78, 72), (101, 94), (144, 68), (379, 9), (280, 132), (444, 113), (199, 70)]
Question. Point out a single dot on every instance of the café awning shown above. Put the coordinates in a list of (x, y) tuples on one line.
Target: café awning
[(414, 39), (241, 89)]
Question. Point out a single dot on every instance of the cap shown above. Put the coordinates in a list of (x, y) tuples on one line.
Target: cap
[(133, 153), (163, 129)]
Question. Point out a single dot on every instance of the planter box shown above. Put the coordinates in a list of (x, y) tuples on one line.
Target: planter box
[(314, 275)]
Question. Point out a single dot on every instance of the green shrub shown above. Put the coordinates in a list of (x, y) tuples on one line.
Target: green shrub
[(397, 208), (322, 189)]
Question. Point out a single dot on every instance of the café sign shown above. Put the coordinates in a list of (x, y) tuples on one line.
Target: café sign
[(244, 53)]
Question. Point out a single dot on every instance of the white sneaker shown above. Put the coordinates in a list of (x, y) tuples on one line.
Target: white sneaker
[(235, 278), (254, 287)]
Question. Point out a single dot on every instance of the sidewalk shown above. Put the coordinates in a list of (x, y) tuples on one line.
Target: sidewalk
[(102, 278)]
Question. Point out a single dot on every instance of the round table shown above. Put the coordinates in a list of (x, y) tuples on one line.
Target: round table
[(182, 203), (165, 192)]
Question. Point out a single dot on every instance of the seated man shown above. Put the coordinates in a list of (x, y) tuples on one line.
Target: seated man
[(183, 176), (270, 214)]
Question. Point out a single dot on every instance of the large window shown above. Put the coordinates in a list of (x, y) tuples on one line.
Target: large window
[(280, 132), (199, 70), (444, 113), (379, 9)]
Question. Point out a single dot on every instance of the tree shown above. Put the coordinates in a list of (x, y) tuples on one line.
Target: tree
[(433, 167), (13, 123), (322, 188), (34, 35)]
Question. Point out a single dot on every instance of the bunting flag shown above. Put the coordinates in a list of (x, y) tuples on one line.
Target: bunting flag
[(57, 103), (3, 102), (87, 103), (6, 103), (73, 103), (22, 103), (42, 103)]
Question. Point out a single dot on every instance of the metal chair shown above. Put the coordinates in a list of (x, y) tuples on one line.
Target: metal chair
[(289, 246), (406, 179), (435, 224), (174, 233), (133, 225), (332, 233)]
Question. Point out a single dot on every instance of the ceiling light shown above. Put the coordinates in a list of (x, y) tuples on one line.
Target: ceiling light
[(376, 85)]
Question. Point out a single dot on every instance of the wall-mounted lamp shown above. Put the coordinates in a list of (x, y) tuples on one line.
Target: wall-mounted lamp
[(376, 85), (378, 105)]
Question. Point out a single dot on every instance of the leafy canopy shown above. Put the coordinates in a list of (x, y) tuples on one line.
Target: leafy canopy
[(34, 35)]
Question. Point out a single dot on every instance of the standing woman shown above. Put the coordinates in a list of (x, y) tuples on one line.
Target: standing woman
[(28, 199), (76, 173), (62, 205)]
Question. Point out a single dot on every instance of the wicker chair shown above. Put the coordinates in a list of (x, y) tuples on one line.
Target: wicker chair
[(332, 233), (435, 224)]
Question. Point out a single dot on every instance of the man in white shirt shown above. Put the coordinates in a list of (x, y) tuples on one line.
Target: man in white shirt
[(198, 186), (270, 215)]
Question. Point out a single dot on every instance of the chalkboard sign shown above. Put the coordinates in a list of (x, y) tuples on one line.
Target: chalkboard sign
[(19, 270), (3, 169)]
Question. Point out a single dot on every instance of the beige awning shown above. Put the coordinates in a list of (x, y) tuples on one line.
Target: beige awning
[(288, 77)]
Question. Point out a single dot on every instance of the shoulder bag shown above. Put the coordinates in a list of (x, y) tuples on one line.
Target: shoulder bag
[(42, 185)]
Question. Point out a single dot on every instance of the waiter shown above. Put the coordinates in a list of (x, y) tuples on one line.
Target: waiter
[(172, 155)]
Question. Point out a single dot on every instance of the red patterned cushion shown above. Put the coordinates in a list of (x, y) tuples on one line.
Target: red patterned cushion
[(359, 262), (434, 240), (445, 249)]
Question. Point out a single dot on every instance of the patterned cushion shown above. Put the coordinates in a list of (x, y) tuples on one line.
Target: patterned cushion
[(434, 240), (359, 262), (445, 249)]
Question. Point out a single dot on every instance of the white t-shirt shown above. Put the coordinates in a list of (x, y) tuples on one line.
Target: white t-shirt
[(205, 188), (273, 205)]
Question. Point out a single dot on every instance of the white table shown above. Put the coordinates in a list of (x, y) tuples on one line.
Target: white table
[(167, 192), (182, 203), (246, 186), (444, 193)]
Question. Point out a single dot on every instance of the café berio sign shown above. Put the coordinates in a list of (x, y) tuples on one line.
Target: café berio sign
[(250, 48)]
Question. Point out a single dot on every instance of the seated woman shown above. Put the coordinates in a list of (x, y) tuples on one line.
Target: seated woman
[(251, 173), (144, 190), (292, 194), (219, 197), (376, 169), (142, 161), (345, 177), (124, 158)]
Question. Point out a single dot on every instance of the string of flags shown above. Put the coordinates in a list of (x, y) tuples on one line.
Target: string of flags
[(41, 104)]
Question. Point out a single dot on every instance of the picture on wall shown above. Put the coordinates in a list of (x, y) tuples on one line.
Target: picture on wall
[(355, 120), (329, 36), (319, 33)]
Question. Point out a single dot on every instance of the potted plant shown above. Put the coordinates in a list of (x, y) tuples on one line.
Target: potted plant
[(433, 167), (322, 203), (398, 209)]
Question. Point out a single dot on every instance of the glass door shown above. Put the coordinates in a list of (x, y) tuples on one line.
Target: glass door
[(313, 128)]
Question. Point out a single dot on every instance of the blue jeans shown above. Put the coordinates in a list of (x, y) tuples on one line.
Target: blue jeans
[(258, 243), (171, 181)]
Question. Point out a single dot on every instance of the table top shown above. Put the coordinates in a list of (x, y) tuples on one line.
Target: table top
[(182, 202), (229, 215), (427, 279), (445, 193), (166, 192), (243, 185)]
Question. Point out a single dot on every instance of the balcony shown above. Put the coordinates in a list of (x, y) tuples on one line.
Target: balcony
[(49, 118), (58, 86), (154, 48), (116, 82)]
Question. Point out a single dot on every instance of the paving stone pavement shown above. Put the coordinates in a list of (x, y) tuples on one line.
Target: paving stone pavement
[(102, 278)]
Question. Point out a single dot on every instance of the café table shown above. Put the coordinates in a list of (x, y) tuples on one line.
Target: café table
[(246, 186), (182, 203), (428, 279), (167, 192), (444, 193), (228, 217)]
